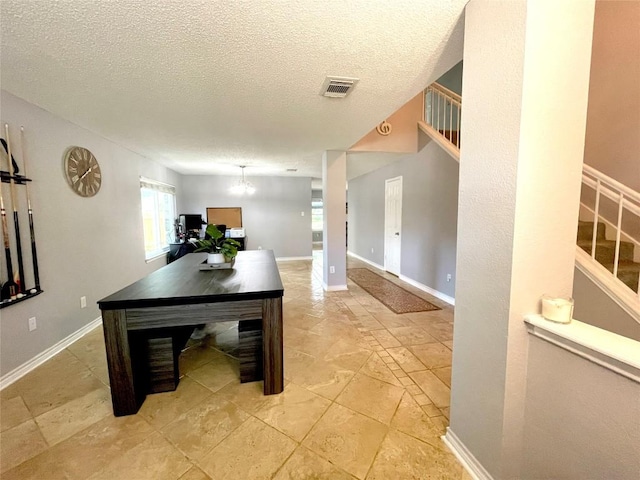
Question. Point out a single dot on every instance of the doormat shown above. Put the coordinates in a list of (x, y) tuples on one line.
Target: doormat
[(396, 298)]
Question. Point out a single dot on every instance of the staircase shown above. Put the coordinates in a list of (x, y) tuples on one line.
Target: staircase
[(628, 270)]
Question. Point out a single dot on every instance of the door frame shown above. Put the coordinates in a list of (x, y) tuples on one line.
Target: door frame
[(386, 220)]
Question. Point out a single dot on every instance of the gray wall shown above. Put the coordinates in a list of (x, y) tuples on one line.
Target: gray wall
[(453, 79), (581, 420), (86, 246), (272, 216), (596, 308), (429, 216)]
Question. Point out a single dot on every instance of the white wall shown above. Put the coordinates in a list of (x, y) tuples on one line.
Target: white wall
[(86, 246), (595, 307), (272, 216), (582, 421)]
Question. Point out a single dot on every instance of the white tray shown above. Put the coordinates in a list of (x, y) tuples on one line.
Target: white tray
[(216, 266)]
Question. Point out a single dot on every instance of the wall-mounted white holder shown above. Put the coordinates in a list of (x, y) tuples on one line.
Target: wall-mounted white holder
[(559, 310)]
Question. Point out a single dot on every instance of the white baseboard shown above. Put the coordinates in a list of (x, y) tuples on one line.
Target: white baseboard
[(368, 262), (410, 281), (50, 352), (291, 259), (465, 457), (334, 288), (429, 290)]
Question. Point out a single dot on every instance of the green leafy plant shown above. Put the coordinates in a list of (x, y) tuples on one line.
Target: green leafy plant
[(216, 242)]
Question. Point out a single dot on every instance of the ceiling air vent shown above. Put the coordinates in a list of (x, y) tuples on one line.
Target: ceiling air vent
[(338, 87)]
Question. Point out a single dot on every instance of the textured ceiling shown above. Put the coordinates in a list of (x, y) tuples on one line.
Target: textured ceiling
[(204, 86)]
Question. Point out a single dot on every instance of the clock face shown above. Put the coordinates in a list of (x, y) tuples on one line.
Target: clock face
[(82, 171)]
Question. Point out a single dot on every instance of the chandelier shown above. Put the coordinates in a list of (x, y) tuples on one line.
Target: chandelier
[(242, 187)]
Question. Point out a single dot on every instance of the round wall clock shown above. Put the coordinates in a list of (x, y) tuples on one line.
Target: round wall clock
[(82, 171)]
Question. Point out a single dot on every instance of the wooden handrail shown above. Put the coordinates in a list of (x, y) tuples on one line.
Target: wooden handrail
[(450, 93)]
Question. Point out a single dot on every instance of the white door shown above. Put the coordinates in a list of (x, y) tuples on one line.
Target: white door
[(392, 224)]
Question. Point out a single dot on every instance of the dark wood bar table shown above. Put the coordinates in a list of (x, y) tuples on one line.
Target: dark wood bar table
[(147, 324)]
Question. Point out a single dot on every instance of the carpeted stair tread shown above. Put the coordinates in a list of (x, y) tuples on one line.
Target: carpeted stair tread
[(585, 231), (606, 250), (628, 270)]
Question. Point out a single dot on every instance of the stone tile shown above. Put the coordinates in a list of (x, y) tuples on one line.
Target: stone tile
[(195, 473), (369, 323), (90, 349), (445, 412), (13, 412), (321, 377), (433, 355), (376, 368), (411, 419), (437, 391), (409, 336), (431, 410), (414, 389), (294, 411), (152, 459), (347, 355), (64, 421), (304, 321), (195, 356), (444, 374), (402, 456), (347, 439), (392, 320), (371, 397), (217, 373), (306, 465), (248, 396), (85, 453), (19, 444), (422, 399), (198, 430), (56, 382), (253, 451), (407, 360), (385, 338), (159, 409), (442, 331), (406, 381)]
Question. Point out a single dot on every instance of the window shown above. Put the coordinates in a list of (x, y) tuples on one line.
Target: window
[(316, 215), (158, 216)]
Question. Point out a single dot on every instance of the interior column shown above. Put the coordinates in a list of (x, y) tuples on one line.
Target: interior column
[(334, 193), (525, 89)]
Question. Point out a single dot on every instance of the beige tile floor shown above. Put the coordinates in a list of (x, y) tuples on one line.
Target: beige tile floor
[(366, 397)]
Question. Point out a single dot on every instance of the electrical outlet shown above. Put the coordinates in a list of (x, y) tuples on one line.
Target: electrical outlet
[(32, 324), (302, 214), (83, 302), (332, 269), (448, 277), (259, 247), (372, 250)]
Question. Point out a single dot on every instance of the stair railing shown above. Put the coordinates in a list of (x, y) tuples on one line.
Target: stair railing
[(443, 108), (626, 198)]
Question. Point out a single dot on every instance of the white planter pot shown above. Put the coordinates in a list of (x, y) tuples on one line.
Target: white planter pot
[(215, 258)]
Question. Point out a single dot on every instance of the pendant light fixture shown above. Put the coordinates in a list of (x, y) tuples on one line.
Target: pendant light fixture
[(242, 187)]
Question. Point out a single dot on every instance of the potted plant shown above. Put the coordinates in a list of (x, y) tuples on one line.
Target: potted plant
[(219, 248)]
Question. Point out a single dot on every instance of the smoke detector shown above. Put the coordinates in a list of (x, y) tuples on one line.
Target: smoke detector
[(338, 87)]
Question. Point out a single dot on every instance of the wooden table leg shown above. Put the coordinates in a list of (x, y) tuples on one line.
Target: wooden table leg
[(126, 398), (272, 345)]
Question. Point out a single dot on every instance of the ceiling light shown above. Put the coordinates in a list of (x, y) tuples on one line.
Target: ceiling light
[(242, 187)]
